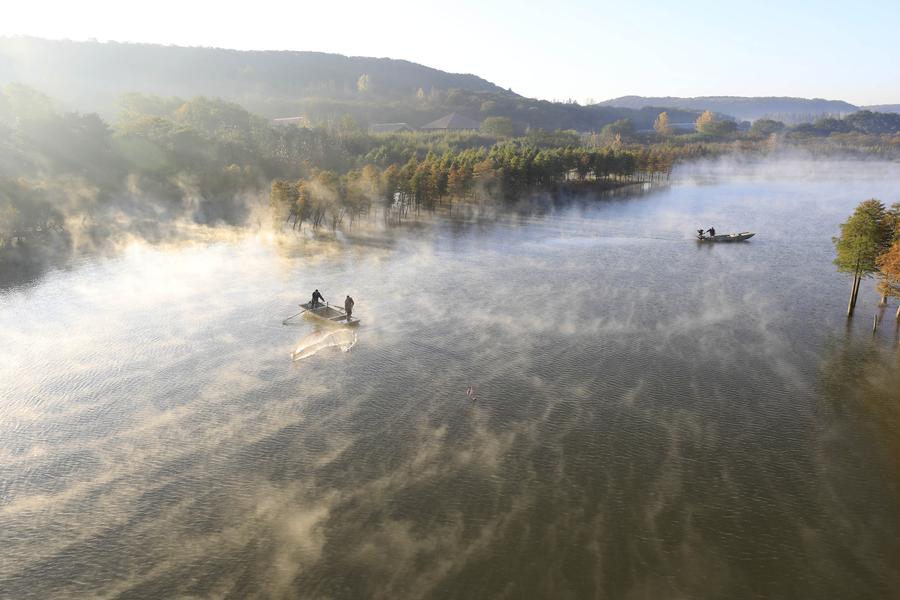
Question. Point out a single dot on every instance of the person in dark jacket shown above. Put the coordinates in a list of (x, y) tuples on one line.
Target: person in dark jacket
[(348, 306), (711, 231), (316, 297)]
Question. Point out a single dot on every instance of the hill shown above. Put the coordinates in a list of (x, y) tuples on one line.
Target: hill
[(883, 108), (789, 110), (91, 76), (88, 75)]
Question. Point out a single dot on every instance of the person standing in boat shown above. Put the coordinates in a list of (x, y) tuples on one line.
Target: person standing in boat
[(316, 297), (711, 231), (348, 307)]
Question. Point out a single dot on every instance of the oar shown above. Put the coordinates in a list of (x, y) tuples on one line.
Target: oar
[(292, 316)]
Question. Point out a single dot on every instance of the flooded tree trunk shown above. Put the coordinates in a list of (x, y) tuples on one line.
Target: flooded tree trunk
[(854, 290)]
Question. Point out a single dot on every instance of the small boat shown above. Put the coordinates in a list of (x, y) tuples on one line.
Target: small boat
[(727, 237), (328, 312)]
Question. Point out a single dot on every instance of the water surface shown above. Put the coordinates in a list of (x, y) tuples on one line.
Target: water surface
[(654, 418)]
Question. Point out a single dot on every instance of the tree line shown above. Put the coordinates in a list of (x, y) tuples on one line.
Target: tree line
[(502, 171)]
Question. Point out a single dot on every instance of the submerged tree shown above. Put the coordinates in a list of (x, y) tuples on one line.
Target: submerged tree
[(864, 237), (889, 264)]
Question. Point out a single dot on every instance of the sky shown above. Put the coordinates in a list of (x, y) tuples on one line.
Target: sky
[(566, 49)]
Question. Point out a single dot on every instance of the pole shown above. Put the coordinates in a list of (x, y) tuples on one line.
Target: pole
[(292, 316)]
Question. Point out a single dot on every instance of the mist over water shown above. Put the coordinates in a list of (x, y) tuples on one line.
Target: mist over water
[(655, 418)]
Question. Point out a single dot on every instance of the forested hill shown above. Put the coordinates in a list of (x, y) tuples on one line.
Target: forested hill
[(89, 74), (90, 77), (884, 108), (786, 109)]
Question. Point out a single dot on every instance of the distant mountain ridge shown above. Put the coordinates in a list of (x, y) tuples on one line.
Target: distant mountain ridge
[(87, 75), (312, 86), (744, 107)]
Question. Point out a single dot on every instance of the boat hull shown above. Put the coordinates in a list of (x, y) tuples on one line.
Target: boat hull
[(727, 237), (329, 313)]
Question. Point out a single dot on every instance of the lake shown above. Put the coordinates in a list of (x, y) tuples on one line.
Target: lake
[(654, 418)]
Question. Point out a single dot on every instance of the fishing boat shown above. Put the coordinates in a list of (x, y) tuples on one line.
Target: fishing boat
[(727, 237), (330, 313)]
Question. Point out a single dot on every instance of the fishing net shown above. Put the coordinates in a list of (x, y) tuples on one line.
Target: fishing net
[(320, 340)]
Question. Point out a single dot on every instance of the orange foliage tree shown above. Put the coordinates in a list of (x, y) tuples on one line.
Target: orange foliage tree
[(889, 266)]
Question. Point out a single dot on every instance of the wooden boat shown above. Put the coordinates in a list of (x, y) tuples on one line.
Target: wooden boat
[(727, 237), (330, 313)]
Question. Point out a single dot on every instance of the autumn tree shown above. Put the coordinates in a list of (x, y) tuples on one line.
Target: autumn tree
[(363, 83), (705, 119), (661, 124), (708, 123), (864, 237), (889, 266), (889, 262)]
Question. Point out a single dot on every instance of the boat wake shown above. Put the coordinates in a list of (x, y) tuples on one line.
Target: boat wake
[(317, 341)]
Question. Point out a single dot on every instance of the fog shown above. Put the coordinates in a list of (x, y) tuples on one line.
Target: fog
[(655, 418)]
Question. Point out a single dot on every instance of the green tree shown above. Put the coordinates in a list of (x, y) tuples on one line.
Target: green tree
[(500, 127), (766, 127), (864, 237), (661, 124), (623, 128), (23, 102), (488, 106)]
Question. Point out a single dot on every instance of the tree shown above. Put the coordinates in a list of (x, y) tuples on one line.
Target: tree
[(766, 127), (723, 127), (893, 220), (498, 127), (23, 102), (661, 125), (705, 119), (623, 128), (282, 201), (708, 123), (864, 237), (488, 106), (889, 265), (362, 84)]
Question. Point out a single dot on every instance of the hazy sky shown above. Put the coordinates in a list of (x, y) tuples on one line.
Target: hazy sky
[(563, 49)]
